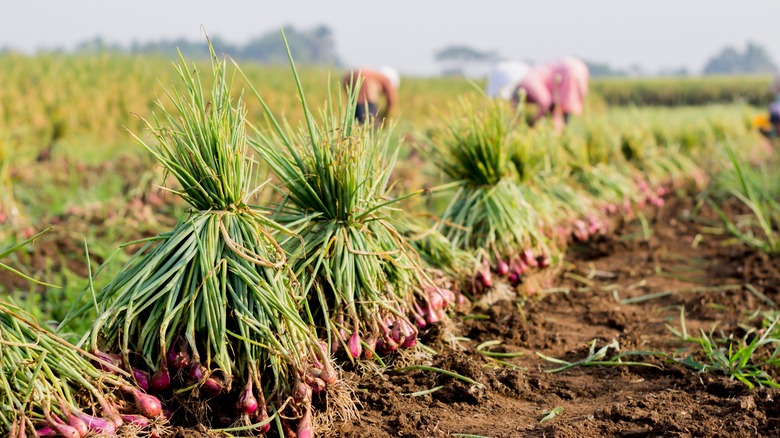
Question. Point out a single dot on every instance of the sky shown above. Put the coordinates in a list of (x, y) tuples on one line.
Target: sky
[(657, 35)]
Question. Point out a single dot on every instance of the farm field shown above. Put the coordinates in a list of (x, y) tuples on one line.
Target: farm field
[(648, 305), (620, 293)]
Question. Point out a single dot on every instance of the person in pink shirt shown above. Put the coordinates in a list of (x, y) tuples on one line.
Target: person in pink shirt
[(557, 88)]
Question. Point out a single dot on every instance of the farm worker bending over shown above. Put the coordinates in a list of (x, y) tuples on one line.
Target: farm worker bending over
[(557, 88), (774, 108), (504, 78), (376, 84), (769, 124)]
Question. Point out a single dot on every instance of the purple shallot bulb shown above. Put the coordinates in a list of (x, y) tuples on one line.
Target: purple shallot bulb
[(316, 384), (247, 403), (197, 372), (301, 391), (260, 416), (433, 315), (354, 348), (395, 334), (225, 419), (435, 300), (179, 354), (172, 355), (484, 278), (108, 361), (329, 374), (544, 259), (528, 257), (409, 340), (78, 424), (419, 316), (136, 420), (368, 352), (45, 432), (142, 379), (98, 425), (212, 386), (305, 429), (61, 427), (335, 347), (161, 380), (148, 405), (448, 296), (502, 268), (385, 345), (420, 321)]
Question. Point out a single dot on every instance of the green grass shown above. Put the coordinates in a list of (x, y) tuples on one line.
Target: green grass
[(757, 189), (683, 91), (745, 359)]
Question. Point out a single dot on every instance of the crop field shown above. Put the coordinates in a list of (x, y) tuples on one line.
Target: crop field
[(202, 249)]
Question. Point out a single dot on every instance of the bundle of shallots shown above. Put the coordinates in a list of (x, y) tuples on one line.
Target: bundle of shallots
[(208, 315)]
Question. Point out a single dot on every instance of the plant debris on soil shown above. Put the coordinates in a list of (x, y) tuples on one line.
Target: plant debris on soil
[(684, 256), (619, 288)]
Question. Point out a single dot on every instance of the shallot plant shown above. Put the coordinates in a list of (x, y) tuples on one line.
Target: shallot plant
[(756, 189), (488, 211), (208, 315), (49, 387), (364, 283)]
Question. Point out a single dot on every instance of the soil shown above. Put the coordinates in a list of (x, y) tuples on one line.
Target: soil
[(602, 292), (686, 256)]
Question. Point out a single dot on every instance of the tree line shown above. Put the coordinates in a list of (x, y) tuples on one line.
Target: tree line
[(313, 46), (754, 59), (316, 46)]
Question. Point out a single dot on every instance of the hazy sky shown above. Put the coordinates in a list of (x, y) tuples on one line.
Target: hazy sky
[(658, 34)]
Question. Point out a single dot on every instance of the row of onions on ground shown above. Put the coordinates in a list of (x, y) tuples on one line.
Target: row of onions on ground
[(49, 387), (236, 317), (522, 195)]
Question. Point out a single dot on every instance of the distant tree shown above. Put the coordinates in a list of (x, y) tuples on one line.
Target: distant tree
[(635, 69), (677, 71), (755, 59), (97, 45), (190, 49), (459, 59), (603, 69), (314, 46)]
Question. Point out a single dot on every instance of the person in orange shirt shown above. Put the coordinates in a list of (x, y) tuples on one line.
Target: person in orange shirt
[(376, 85), (769, 123), (774, 108)]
